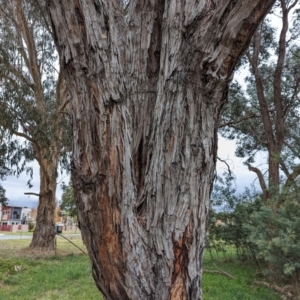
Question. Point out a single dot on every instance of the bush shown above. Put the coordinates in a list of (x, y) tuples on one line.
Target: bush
[(268, 233), (227, 227), (276, 235), (31, 226)]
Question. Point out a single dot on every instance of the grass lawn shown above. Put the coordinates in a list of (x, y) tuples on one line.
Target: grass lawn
[(220, 287), (16, 233), (66, 275), (62, 276)]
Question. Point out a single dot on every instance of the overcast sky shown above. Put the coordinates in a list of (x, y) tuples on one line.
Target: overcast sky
[(16, 187)]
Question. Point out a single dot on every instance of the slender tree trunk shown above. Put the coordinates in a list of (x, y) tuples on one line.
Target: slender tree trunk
[(44, 234), (147, 91), (274, 179)]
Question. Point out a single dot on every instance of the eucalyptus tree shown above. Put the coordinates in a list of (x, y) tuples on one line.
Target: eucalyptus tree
[(266, 117), (148, 80), (33, 98)]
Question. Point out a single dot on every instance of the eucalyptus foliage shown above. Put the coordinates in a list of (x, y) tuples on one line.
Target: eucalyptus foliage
[(29, 74)]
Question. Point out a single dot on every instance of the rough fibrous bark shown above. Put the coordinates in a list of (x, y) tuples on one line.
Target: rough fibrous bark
[(147, 90), (44, 233)]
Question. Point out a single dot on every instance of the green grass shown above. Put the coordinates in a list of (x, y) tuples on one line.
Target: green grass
[(66, 275), (16, 233), (217, 286)]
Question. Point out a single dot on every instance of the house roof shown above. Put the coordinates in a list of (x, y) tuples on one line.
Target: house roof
[(13, 206)]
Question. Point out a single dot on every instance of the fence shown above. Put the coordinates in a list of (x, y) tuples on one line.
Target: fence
[(13, 228), (5, 227)]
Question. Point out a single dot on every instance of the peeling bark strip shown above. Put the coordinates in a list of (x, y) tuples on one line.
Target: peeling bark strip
[(148, 83)]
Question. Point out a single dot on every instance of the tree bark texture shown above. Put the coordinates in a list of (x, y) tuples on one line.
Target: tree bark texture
[(147, 87), (44, 233)]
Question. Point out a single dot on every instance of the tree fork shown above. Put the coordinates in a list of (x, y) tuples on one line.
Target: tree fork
[(146, 94)]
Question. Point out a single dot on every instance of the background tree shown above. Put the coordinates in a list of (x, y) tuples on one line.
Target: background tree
[(32, 103), (266, 118), (147, 85), (3, 199), (67, 203)]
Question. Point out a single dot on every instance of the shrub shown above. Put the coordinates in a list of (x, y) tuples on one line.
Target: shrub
[(31, 226), (276, 234)]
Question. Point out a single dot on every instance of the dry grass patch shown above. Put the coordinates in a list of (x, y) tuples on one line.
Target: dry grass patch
[(20, 248)]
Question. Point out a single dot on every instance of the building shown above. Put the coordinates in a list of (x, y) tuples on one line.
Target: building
[(15, 215)]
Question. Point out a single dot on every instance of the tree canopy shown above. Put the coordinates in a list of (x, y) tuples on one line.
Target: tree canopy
[(265, 117)]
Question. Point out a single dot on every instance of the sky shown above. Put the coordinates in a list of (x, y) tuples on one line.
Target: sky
[(16, 187), (243, 177)]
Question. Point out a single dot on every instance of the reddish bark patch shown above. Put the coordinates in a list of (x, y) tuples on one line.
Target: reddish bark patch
[(178, 281), (110, 252)]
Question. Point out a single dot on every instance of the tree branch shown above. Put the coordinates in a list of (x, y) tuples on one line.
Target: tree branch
[(261, 181), (297, 154), (282, 290), (223, 161), (291, 178), (33, 194), (292, 5), (16, 72), (48, 26), (25, 136), (32, 53), (239, 120), (279, 119), (284, 169), (221, 272), (260, 93), (36, 147)]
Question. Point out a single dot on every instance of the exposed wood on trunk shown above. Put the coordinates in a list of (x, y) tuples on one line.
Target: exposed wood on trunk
[(146, 95)]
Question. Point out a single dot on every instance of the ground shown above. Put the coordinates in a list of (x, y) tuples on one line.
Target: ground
[(66, 274)]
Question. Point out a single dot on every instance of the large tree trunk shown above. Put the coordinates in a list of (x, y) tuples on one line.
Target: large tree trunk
[(147, 91), (44, 234)]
